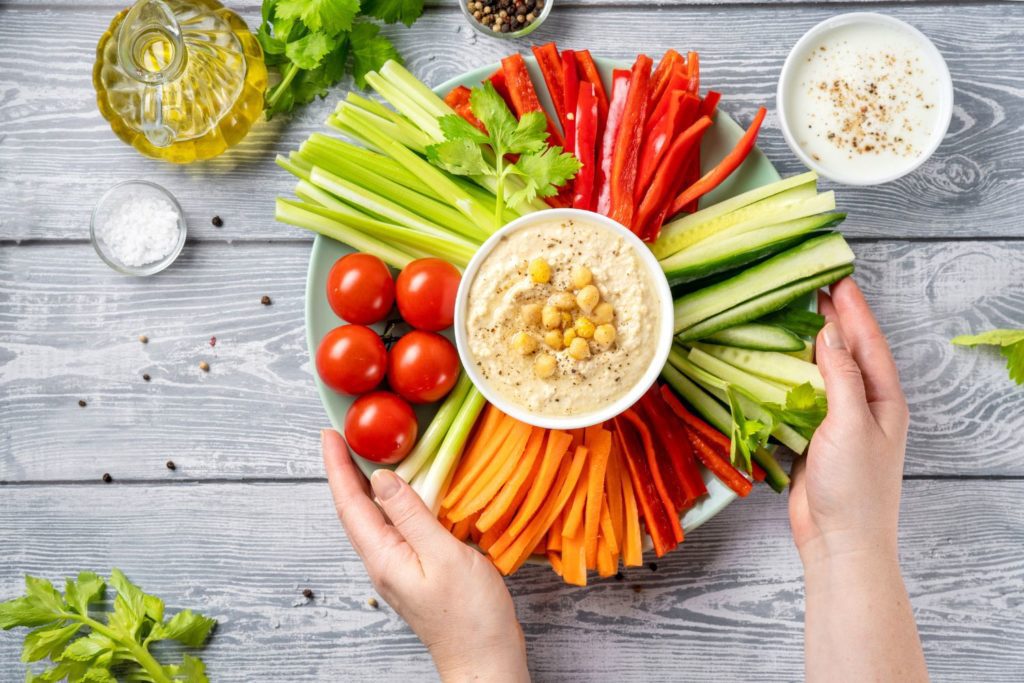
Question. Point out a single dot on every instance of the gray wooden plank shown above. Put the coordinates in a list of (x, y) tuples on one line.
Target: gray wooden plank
[(57, 155), (69, 328), (726, 606)]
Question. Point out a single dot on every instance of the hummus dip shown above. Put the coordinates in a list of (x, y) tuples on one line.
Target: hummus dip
[(562, 318)]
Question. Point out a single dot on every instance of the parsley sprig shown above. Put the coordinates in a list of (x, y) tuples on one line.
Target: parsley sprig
[(466, 150), (314, 43), (92, 645), (1010, 343)]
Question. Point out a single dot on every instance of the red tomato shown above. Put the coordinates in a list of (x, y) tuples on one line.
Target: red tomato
[(422, 367), (360, 289), (426, 293), (381, 427), (351, 359)]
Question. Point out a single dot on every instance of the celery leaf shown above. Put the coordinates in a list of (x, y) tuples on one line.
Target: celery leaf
[(1011, 343)]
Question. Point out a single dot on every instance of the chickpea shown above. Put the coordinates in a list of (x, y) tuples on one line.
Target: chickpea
[(553, 339), (551, 317), (564, 301), (568, 336), (587, 298), (544, 366), (581, 277), (579, 349), (603, 313), (524, 343), (604, 334), (566, 319), (540, 271), (532, 314), (584, 328)]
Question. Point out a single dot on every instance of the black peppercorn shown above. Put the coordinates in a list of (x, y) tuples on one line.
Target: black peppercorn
[(265, 300), (171, 465), (145, 377), (217, 221), (107, 478), (81, 403), (653, 566), (307, 593)]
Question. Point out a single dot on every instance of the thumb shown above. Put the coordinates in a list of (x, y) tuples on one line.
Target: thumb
[(407, 512), (844, 384)]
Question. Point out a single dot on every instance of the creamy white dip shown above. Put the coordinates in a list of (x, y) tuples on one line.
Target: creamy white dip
[(863, 100), (503, 286)]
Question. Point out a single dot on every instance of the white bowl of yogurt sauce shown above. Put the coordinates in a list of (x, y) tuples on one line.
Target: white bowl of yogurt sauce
[(864, 98)]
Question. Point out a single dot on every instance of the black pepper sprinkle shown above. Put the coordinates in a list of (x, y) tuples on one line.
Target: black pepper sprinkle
[(265, 300), (619, 576), (171, 465), (307, 593), (217, 221), (145, 377), (107, 478), (653, 566), (81, 403)]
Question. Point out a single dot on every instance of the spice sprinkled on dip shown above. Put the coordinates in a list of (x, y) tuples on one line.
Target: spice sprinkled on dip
[(562, 318)]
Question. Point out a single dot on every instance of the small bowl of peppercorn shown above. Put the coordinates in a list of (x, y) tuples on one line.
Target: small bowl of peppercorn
[(506, 18)]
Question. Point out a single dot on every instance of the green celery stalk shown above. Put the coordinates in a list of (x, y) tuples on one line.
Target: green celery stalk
[(409, 126), (300, 215), (426, 98), (294, 164), (409, 136), (406, 106), (413, 241), (758, 388), (378, 163), (429, 441), (451, 449)]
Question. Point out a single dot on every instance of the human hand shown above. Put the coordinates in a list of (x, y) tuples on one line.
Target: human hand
[(451, 596), (845, 494)]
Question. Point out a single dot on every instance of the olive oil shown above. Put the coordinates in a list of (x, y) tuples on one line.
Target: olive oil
[(179, 80)]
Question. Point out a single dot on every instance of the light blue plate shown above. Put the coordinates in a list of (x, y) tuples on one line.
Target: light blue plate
[(718, 141)]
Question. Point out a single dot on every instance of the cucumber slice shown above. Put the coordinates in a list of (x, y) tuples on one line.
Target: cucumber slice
[(813, 257), (778, 367), (692, 228), (715, 256), (797, 320), (804, 354), (758, 388), (757, 337)]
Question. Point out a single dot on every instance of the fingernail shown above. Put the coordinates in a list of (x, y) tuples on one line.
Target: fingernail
[(833, 336), (385, 483)]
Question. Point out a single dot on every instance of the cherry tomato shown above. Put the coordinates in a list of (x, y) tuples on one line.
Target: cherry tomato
[(381, 427), (426, 291), (360, 289), (422, 367), (351, 359)]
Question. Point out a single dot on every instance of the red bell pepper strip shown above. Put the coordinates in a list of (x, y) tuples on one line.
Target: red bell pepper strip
[(710, 103), (670, 432), (550, 64), (724, 169), (721, 468), (657, 140), (663, 74), (497, 79), (659, 107), (655, 203), (458, 99), (693, 68), (620, 91), (586, 148), (627, 143), (588, 72), (652, 462), (757, 472), (570, 98), (524, 97), (655, 517)]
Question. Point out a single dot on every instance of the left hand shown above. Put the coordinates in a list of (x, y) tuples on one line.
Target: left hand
[(451, 595)]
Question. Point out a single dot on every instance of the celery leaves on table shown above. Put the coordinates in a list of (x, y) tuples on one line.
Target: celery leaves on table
[(542, 169), (87, 642), (1010, 343), (314, 43)]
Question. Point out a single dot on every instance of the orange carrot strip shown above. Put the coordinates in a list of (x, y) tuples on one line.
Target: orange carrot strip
[(555, 535), (498, 528), (558, 444), (632, 545), (517, 553), (510, 432), (542, 546), (497, 472), (525, 472), (607, 529), (605, 565), (574, 560), (613, 492), (489, 436), (556, 562), (445, 522), (461, 529), (599, 443)]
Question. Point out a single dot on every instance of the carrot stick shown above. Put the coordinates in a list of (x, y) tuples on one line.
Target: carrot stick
[(526, 470), (605, 565), (613, 492), (498, 472), (542, 546), (461, 529), (573, 520), (599, 443), (555, 535), (519, 550), (489, 437), (607, 529), (556, 562), (485, 468), (574, 560), (659, 481), (498, 528), (632, 545)]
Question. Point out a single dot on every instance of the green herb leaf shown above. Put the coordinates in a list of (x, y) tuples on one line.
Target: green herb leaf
[(530, 135), (186, 627), (309, 51), (747, 434), (192, 670), (459, 156), (96, 675), (89, 588), (543, 173), (805, 409), (405, 11), (1012, 348), (47, 641), (330, 16), (370, 51), (455, 128)]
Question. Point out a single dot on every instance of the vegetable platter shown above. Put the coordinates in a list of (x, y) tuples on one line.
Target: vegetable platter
[(418, 178)]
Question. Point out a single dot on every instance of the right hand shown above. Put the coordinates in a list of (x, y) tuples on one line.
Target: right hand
[(845, 494)]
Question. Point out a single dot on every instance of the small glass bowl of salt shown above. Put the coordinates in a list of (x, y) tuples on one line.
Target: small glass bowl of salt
[(138, 228)]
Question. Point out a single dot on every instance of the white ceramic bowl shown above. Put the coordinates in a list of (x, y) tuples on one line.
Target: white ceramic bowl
[(659, 285), (938, 65)]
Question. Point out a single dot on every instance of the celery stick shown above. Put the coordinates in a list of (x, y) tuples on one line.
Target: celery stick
[(457, 253), (440, 214), (406, 106), (411, 128), (294, 165), (380, 164), (768, 365), (451, 449), (410, 136), (300, 215), (758, 388), (436, 430), (426, 98), (415, 164)]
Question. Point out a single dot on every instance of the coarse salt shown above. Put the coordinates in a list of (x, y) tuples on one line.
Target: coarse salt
[(140, 230)]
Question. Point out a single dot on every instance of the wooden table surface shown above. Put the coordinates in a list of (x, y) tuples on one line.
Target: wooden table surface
[(244, 523)]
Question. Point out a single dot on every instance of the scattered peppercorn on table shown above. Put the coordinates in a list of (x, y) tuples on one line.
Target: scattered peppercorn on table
[(168, 426)]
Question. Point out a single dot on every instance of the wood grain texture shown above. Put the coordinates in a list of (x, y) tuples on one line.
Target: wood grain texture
[(726, 606), (57, 154), (69, 328)]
